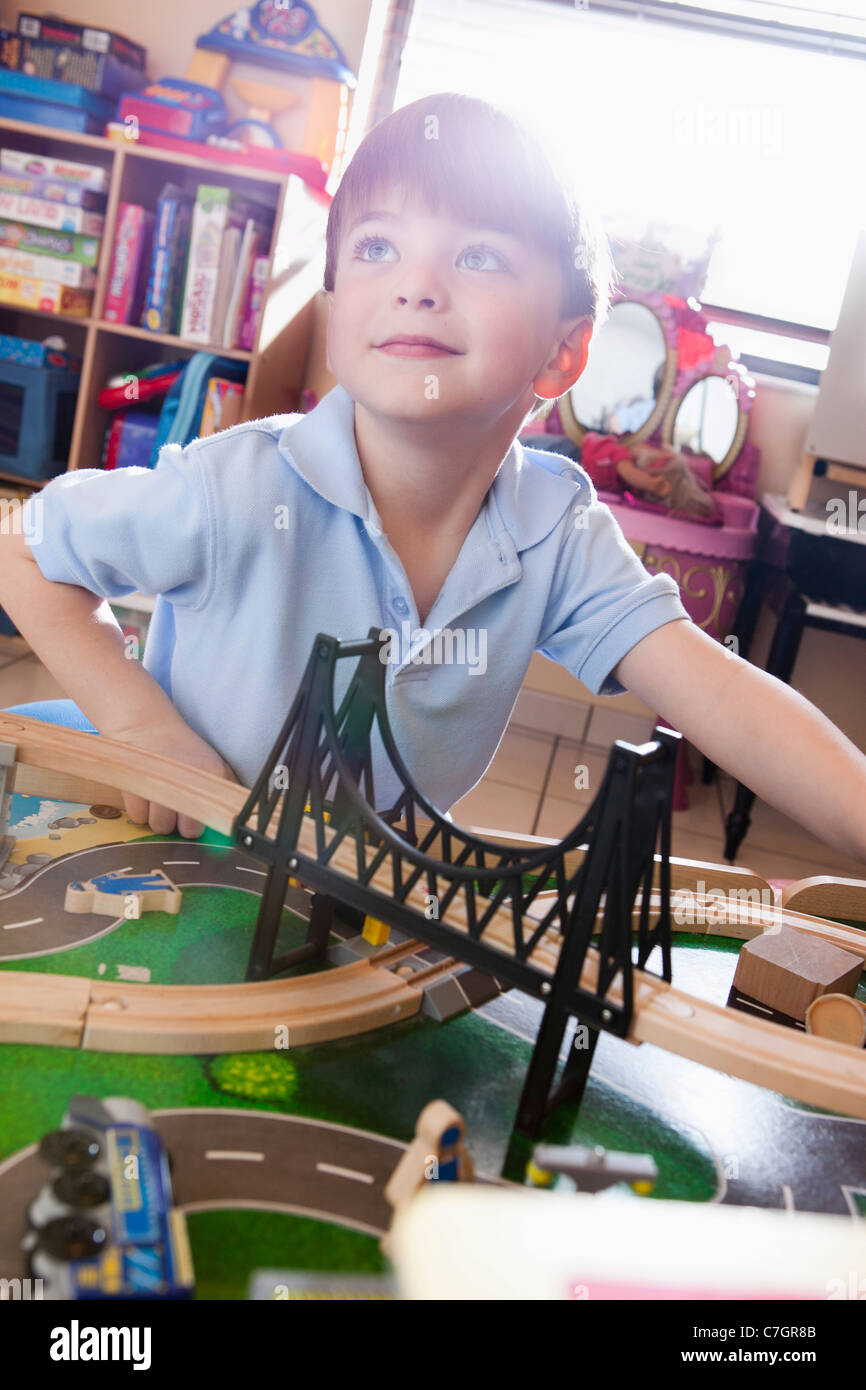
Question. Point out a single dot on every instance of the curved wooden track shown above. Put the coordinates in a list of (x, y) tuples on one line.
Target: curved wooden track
[(350, 999)]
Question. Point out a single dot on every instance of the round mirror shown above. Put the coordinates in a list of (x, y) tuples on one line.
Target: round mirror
[(629, 372), (708, 420)]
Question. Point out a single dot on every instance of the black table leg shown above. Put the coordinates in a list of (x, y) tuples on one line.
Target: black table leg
[(747, 620), (783, 655)]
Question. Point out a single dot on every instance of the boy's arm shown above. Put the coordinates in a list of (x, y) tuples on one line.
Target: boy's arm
[(755, 727), (75, 635)]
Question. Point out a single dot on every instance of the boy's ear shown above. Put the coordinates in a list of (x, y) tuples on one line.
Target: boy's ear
[(568, 361)]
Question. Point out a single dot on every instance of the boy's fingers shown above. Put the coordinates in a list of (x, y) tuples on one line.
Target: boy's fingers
[(162, 821), (190, 829), (136, 808)]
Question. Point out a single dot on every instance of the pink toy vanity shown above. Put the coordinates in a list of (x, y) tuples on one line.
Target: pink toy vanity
[(654, 375)]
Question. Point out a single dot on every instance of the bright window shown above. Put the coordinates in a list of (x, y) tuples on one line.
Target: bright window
[(759, 141)]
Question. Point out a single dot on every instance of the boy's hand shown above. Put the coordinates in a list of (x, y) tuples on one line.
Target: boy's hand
[(184, 745)]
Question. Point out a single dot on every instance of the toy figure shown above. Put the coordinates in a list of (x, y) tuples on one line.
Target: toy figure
[(652, 471)]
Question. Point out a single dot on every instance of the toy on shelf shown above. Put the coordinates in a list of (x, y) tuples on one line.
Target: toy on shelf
[(189, 115), (175, 106), (284, 36), (49, 47), (82, 39), (264, 102), (780, 973), (123, 894)]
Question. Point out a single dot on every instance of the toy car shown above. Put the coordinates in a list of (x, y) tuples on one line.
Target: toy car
[(105, 1226)]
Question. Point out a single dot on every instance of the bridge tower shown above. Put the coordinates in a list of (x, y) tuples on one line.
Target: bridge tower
[(311, 813)]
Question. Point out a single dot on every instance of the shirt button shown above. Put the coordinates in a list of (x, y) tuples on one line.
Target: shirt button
[(400, 605)]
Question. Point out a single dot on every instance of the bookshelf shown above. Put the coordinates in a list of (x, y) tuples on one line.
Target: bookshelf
[(136, 173)]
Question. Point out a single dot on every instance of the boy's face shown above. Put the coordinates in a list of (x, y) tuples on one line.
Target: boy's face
[(493, 301)]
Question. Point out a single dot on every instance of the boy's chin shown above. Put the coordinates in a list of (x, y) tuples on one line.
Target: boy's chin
[(411, 403)]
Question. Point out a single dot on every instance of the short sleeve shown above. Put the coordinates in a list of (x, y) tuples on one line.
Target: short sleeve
[(603, 600), (144, 529)]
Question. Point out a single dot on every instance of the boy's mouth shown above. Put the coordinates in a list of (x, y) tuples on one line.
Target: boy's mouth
[(415, 345)]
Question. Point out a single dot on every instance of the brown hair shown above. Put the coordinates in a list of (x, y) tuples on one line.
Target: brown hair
[(458, 153)]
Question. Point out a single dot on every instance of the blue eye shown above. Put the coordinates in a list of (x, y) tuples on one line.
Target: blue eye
[(368, 241), (483, 251)]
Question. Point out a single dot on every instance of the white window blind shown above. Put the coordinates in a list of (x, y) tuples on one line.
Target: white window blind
[(655, 122)]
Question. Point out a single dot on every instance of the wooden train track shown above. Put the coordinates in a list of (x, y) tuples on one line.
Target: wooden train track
[(208, 1018)]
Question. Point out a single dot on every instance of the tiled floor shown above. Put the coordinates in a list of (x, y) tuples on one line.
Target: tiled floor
[(541, 784)]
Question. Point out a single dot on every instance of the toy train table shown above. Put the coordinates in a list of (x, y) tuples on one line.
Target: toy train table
[(283, 996)]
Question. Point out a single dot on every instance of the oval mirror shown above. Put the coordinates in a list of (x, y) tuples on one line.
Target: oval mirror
[(624, 387), (708, 420)]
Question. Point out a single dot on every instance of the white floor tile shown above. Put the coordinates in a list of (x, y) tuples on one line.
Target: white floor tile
[(521, 759), (496, 806)]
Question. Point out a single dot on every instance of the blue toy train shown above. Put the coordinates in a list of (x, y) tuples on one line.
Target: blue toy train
[(105, 1226)]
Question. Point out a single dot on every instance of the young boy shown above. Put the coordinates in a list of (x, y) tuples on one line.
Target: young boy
[(464, 285)]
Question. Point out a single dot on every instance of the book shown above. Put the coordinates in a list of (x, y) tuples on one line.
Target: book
[(248, 249), (69, 246), (129, 438), (130, 258), (39, 212), (55, 190), (209, 220), (253, 303), (162, 302), (229, 253), (216, 211), (49, 296), (47, 267), (93, 176), (222, 405)]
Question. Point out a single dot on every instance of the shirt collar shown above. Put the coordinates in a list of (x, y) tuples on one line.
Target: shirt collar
[(529, 494)]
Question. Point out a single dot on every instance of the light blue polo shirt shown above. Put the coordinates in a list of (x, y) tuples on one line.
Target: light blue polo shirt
[(259, 537)]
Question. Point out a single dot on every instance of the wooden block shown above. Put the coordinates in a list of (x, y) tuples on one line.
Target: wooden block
[(827, 895), (837, 1016), (787, 969), (47, 1009), (375, 932), (119, 894)]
